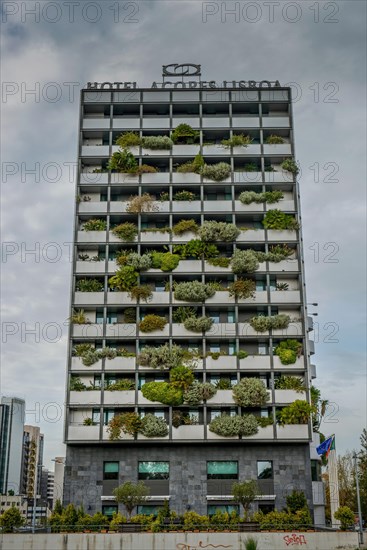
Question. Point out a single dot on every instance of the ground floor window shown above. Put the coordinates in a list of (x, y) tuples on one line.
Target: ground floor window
[(110, 470), (109, 510), (221, 469), (266, 508), (213, 508), (153, 470), (148, 509), (315, 470)]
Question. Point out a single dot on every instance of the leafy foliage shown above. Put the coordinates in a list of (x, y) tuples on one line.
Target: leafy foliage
[(218, 231), (296, 500), (230, 426), (297, 412), (152, 322), (152, 426), (124, 384), (196, 249), (126, 231), (290, 166), (128, 423), (184, 196), (125, 279), (142, 203), (250, 392), (131, 494), (162, 357), (284, 520), (143, 292), (138, 262), (237, 140), (123, 161), (181, 377), (128, 139), (11, 518), (245, 492), (164, 392), (222, 261), (198, 324), (276, 219), (249, 197), (244, 261), (95, 225), (180, 314), (273, 139), (288, 351), (89, 285), (166, 261), (194, 166), (216, 172), (193, 291), (157, 142), (198, 391), (185, 134), (346, 517), (242, 288), (261, 323), (290, 383), (185, 226)]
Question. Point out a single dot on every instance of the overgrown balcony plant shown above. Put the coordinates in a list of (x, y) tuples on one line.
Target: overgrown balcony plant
[(192, 166), (138, 262), (166, 261), (290, 383), (269, 197), (123, 161), (163, 357), (128, 139), (141, 293), (89, 285), (288, 351), (198, 324), (193, 291), (250, 392), (223, 384), (164, 392), (242, 288), (184, 196), (244, 261), (218, 231), (142, 203), (180, 314), (95, 225), (274, 140), (297, 412), (231, 426), (222, 261), (126, 231), (290, 166), (181, 377), (198, 392), (276, 219), (124, 384), (237, 140), (78, 317), (152, 426), (157, 142), (261, 323), (216, 172), (196, 248), (125, 279), (152, 322), (277, 253), (76, 384), (185, 226), (184, 134)]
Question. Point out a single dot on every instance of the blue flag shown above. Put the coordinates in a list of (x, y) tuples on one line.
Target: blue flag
[(326, 446)]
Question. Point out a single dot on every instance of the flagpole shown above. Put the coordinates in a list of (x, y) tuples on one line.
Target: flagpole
[(333, 485)]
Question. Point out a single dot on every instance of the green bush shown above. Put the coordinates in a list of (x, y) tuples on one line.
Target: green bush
[(283, 520), (288, 351), (185, 134), (230, 426), (216, 172), (297, 412), (290, 383), (242, 354), (184, 196), (249, 197), (181, 377), (142, 203), (276, 219), (273, 139), (290, 166), (218, 231), (128, 423), (89, 285), (157, 142), (251, 167), (165, 260), (346, 517), (185, 226), (162, 357), (123, 161), (244, 261), (261, 323), (126, 231), (264, 421), (163, 392), (180, 314), (128, 139), (116, 521), (296, 500), (224, 384), (143, 292), (192, 521), (222, 261), (198, 391), (237, 140), (151, 426), (152, 322), (196, 248), (242, 288), (125, 279), (198, 324), (11, 518), (124, 384), (194, 166), (193, 291), (139, 262), (95, 225), (250, 392)]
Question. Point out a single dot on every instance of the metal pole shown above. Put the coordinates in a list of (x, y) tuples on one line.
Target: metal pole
[(360, 530)]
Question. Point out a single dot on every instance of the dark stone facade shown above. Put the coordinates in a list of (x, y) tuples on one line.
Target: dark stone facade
[(188, 485)]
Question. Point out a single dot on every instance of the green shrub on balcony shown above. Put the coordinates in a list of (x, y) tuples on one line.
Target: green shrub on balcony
[(78, 317), (164, 392), (223, 384), (89, 285), (274, 140), (290, 383), (192, 166), (142, 203), (244, 261), (264, 421), (184, 196), (126, 231), (151, 426), (231, 426), (95, 225), (276, 219), (288, 351), (216, 172), (76, 384), (193, 291), (157, 142), (222, 261), (184, 134), (130, 315), (250, 392), (242, 288), (128, 139), (152, 322), (164, 260), (129, 423), (198, 324), (270, 197), (297, 412), (142, 292), (290, 166), (181, 377), (251, 167), (163, 357), (198, 392), (138, 262), (124, 384), (180, 418), (123, 161), (125, 279), (237, 140), (180, 314), (261, 323), (277, 253), (218, 231), (196, 248), (185, 226)]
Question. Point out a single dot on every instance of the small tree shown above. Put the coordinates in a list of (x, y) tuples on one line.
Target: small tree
[(58, 507), (296, 500), (11, 518), (346, 517), (245, 493), (131, 494)]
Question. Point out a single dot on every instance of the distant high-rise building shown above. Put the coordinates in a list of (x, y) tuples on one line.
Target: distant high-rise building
[(58, 479), (32, 461), (12, 416), (47, 486)]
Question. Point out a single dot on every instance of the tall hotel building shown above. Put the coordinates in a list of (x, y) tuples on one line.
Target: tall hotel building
[(189, 442)]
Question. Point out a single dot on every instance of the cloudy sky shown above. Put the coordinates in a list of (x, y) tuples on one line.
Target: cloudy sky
[(48, 55)]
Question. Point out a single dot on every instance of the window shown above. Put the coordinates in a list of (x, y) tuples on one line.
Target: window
[(99, 317), (214, 347), (215, 316), (96, 415), (148, 509), (264, 469), (153, 470), (109, 510), (108, 415), (315, 470), (213, 508), (110, 470), (266, 508), (230, 316), (222, 469), (273, 283), (262, 349)]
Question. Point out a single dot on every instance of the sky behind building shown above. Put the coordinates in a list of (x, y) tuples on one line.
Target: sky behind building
[(49, 55)]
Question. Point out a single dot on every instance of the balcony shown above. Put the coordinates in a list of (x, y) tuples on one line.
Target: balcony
[(126, 123), (217, 206), (288, 396), (282, 236), (90, 267), (298, 365), (253, 207), (154, 237), (224, 362), (95, 151), (278, 176), (183, 238), (294, 329), (278, 149), (90, 178), (255, 363), (118, 330), (186, 150), (251, 235), (208, 268), (77, 365), (119, 298), (143, 401), (120, 363), (160, 333), (123, 437), (96, 123), (212, 435), (221, 297), (264, 433), (119, 397), (157, 177), (221, 397), (188, 432), (290, 265), (91, 330), (283, 205), (161, 122), (216, 150), (222, 330), (188, 266), (92, 207), (85, 398), (293, 431), (215, 122), (191, 120), (91, 236), (285, 297), (187, 206), (114, 239), (245, 122), (88, 298), (261, 297), (275, 122), (83, 433), (190, 177), (247, 177)]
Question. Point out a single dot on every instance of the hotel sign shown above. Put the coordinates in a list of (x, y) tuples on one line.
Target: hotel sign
[(191, 84), (186, 69)]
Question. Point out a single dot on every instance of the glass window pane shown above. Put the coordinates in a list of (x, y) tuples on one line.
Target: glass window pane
[(213, 508), (111, 467), (153, 470), (264, 469), (222, 469), (109, 510)]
